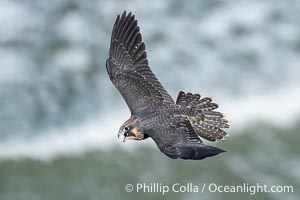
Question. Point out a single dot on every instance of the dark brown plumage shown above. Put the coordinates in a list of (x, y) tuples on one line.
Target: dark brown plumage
[(177, 127)]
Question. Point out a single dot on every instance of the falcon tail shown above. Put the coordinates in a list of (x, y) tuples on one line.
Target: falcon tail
[(206, 122)]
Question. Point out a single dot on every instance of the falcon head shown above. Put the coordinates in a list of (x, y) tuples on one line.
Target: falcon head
[(131, 131)]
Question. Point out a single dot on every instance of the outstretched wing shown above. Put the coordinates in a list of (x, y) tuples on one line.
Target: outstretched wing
[(128, 67), (179, 140)]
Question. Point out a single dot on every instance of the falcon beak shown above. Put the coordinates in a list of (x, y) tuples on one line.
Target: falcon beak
[(127, 136), (122, 133)]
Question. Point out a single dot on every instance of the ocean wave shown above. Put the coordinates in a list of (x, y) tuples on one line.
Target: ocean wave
[(279, 109), (100, 132)]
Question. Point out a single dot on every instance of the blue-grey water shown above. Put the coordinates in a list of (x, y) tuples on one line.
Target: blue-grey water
[(59, 112)]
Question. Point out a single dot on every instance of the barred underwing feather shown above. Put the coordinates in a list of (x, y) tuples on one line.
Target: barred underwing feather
[(206, 122)]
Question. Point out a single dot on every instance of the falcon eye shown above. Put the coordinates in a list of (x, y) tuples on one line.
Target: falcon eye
[(126, 128)]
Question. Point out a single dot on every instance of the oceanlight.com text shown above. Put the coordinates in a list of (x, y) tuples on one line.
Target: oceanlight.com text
[(251, 189)]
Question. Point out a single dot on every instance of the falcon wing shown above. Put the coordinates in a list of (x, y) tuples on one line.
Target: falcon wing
[(128, 67), (180, 141), (206, 122)]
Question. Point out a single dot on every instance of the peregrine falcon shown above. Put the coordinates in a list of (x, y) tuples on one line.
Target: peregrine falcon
[(176, 127)]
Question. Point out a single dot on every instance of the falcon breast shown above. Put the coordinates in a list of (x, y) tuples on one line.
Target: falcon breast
[(176, 127)]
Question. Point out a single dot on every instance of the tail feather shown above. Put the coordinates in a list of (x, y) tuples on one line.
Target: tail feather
[(216, 122), (206, 122)]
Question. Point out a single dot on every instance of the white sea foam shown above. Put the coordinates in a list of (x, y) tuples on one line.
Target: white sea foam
[(279, 108), (100, 132)]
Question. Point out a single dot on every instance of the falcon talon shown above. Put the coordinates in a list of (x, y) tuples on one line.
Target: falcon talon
[(176, 127)]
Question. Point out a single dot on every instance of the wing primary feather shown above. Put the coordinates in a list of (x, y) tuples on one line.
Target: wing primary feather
[(122, 33), (114, 30), (129, 70), (120, 25), (132, 29)]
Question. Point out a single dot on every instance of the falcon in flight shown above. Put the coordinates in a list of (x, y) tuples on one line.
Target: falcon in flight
[(176, 127)]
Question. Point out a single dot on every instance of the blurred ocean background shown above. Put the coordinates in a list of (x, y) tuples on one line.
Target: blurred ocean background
[(60, 114)]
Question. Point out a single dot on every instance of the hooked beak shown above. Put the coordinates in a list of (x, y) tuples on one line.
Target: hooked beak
[(126, 136), (122, 133)]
